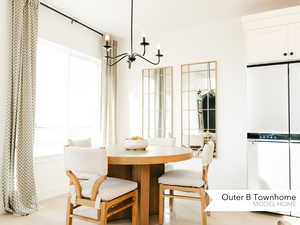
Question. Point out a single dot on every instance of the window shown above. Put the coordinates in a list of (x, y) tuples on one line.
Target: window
[(68, 97)]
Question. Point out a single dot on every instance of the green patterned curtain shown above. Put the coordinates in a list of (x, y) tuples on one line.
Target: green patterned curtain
[(18, 193)]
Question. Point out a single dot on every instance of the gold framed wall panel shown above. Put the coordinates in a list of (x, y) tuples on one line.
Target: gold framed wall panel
[(199, 86), (157, 102)]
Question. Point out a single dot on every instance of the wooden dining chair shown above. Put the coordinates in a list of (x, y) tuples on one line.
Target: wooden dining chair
[(107, 194), (82, 144), (187, 181)]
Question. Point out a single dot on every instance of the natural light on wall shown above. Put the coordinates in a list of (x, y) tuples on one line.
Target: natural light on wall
[(68, 100)]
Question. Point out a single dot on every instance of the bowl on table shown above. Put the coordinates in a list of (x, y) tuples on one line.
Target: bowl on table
[(136, 143)]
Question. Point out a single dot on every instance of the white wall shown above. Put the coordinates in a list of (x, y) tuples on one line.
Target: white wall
[(60, 30), (50, 176), (223, 42)]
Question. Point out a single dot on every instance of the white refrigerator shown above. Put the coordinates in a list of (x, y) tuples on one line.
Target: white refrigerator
[(273, 124)]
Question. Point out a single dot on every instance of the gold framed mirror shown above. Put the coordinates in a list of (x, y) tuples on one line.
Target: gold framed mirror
[(198, 104), (157, 102)]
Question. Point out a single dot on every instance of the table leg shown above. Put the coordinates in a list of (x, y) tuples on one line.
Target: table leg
[(155, 172), (147, 178), (141, 174)]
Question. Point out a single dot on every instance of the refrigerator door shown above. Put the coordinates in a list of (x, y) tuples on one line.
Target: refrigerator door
[(295, 127), (268, 166), (267, 99), (295, 100), (295, 168)]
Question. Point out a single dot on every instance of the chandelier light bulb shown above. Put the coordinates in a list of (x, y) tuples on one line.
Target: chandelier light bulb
[(107, 37)]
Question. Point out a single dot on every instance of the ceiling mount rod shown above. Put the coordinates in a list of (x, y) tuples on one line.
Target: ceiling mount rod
[(131, 42), (71, 18)]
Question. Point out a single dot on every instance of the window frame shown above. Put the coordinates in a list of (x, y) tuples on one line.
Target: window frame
[(67, 76)]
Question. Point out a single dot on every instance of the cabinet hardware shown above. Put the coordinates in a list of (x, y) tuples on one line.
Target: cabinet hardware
[(291, 53), (285, 54)]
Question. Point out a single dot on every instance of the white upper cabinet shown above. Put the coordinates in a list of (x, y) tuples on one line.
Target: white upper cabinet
[(294, 41), (267, 44), (273, 36)]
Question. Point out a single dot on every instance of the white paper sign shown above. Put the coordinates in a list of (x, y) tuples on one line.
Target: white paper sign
[(254, 200)]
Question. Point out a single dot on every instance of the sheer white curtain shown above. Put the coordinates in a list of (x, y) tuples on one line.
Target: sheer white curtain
[(109, 95)]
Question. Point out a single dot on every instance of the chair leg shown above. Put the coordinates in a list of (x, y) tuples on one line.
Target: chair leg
[(171, 200), (103, 214), (203, 206), (99, 216), (70, 208), (135, 209), (207, 203), (161, 205)]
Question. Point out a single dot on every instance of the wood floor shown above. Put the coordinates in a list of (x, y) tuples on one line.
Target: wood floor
[(52, 212)]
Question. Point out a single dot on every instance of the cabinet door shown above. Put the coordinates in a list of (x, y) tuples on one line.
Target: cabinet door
[(295, 168), (267, 99), (294, 44), (268, 165), (294, 98), (267, 44)]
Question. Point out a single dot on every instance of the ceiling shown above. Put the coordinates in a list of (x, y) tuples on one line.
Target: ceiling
[(113, 16)]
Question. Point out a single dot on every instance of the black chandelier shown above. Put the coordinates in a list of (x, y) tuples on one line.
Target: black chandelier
[(131, 55)]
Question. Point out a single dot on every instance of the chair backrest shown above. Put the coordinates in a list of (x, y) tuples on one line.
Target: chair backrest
[(87, 143), (208, 153), (196, 140), (167, 142), (86, 162)]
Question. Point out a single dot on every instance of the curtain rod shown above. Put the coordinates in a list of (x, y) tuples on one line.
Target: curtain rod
[(71, 18)]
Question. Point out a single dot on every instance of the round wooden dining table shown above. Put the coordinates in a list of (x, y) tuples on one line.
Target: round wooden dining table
[(144, 167)]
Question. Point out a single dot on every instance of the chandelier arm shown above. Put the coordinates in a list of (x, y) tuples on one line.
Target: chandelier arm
[(153, 63), (144, 52), (118, 60), (118, 56), (131, 55)]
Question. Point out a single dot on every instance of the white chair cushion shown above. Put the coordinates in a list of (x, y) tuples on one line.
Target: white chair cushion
[(196, 140), (111, 188), (80, 143), (194, 164), (187, 178)]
